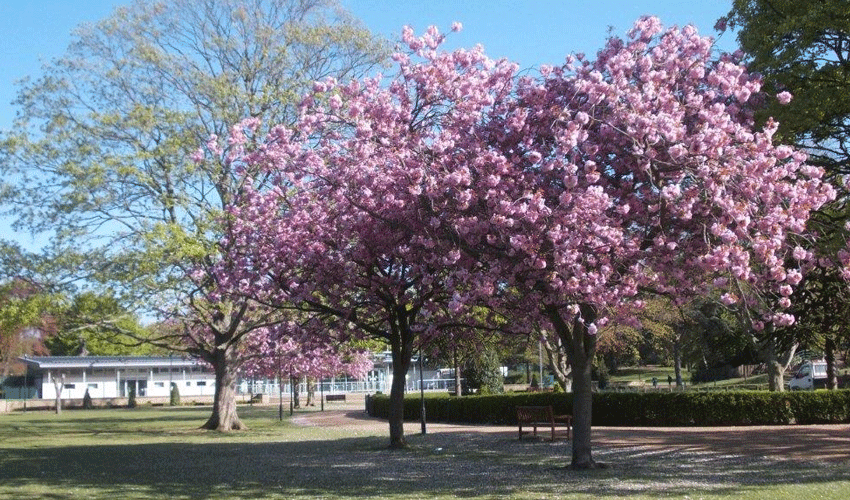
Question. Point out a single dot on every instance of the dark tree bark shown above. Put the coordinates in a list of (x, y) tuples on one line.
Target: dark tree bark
[(581, 348), (401, 343), (559, 363), (829, 354), (311, 391), (458, 385), (224, 416), (677, 360), (295, 382), (777, 362)]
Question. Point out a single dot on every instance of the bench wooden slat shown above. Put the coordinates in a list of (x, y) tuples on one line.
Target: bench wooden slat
[(541, 416)]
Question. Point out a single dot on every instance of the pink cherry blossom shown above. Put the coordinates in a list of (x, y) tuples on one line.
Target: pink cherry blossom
[(409, 204)]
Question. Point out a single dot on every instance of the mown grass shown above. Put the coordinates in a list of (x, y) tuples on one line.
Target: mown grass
[(645, 374), (160, 453)]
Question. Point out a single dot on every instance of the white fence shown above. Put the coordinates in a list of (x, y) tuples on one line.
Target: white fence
[(272, 388)]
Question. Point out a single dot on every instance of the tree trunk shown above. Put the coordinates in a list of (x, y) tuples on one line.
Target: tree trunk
[(776, 363), (458, 386), (677, 361), (59, 385), (559, 363), (311, 391), (829, 354), (224, 417), (582, 412), (581, 348), (402, 350), (296, 391)]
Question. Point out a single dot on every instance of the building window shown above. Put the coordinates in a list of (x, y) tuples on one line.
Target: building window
[(201, 383), (92, 386), (188, 384), (70, 386)]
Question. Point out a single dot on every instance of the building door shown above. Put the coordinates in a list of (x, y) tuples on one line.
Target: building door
[(138, 385)]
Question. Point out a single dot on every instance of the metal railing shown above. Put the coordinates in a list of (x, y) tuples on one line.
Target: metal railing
[(272, 388)]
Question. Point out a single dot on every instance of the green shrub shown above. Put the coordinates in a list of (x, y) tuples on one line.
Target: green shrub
[(87, 403), (175, 395), (702, 409), (131, 400), (482, 373)]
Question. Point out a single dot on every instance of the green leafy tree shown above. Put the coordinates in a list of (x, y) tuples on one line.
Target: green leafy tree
[(482, 370), (24, 323), (103, 151), (802, 48), (100, 326), (658, 339), (820, 305)]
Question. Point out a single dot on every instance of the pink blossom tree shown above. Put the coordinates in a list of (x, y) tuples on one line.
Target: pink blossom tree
[(401, 205), (638, 170), (217, 332), (338, 235), (296, 353)]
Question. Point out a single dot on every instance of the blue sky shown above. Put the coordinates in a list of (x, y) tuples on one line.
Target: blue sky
[(530, 32)]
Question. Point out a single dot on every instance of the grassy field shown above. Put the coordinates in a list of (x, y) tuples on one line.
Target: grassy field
[(644, 375), (158, 453)]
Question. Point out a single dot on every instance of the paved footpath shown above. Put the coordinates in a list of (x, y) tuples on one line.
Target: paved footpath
[(788, 442)]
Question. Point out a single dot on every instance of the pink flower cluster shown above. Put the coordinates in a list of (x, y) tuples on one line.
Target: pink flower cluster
[(458, 191)]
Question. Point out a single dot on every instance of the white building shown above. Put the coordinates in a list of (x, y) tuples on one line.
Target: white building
[(115, 377)]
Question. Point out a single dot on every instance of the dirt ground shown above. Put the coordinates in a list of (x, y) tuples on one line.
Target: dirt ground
[(787, 442)]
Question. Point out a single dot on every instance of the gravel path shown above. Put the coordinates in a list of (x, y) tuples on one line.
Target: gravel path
[(792, 442)]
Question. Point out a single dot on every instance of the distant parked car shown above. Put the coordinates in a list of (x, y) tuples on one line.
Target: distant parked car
[(811, 375)]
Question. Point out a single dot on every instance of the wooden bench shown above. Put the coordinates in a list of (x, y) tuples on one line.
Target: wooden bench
[(541, 416), (335, 397)]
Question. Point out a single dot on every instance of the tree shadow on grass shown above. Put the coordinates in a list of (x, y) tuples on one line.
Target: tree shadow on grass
[(456, 464), (129, 422)]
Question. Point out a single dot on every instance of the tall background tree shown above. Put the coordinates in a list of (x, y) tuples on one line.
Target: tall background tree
[(101, 152), (803, 48), (97, 325), (25, 322)]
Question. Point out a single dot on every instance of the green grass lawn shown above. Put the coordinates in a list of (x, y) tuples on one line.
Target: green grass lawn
[(159, 453), (644, 374)]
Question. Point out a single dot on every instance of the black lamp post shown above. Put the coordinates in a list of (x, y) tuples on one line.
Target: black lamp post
[(421, 392), (279, 389), (26, 386)]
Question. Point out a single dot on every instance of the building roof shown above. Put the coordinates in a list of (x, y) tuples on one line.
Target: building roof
[(58, 362)]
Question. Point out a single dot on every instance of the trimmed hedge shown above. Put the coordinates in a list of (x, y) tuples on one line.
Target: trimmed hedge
[(639, 409)]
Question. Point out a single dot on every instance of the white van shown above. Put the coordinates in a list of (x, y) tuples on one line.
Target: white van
[(810, 375)]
